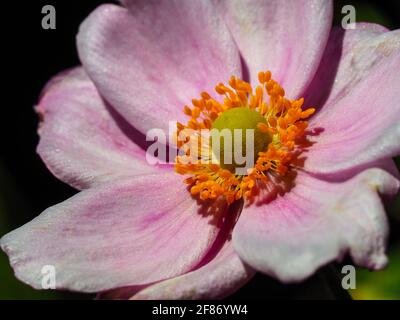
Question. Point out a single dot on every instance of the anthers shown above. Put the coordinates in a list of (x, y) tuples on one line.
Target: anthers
[(283, 124)]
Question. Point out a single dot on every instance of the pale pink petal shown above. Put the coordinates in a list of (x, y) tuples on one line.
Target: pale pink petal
[(128, 232), (286, 37), (315, 223), (150, 61), (82, 141), (359, 117), (219, 278), (123, 293), (336, 75), (389, 165), (220, 275)]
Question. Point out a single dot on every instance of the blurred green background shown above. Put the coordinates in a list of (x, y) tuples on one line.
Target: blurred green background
[(27, 188)]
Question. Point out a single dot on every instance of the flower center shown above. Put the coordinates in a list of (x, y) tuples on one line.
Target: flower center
[(277, 131), (242, 132)]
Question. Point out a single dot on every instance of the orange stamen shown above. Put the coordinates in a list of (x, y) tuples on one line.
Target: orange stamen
[(284, 123)]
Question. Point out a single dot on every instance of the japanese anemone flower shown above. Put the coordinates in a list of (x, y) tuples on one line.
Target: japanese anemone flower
[(327, 112)]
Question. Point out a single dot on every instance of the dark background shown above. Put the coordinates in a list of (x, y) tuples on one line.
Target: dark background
[(31, 56)]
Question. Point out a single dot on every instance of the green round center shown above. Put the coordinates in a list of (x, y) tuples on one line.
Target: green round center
[(242, 119)]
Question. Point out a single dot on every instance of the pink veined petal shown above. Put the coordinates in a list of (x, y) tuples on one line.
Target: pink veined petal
[(82, 141), (220, 273), (317, 222), (151, 60), (128, 232), (221, 277), (359, 120), (286, 37), (336, 75), (336, 64)]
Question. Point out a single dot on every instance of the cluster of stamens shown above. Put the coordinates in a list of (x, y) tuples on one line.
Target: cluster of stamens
[(284, 124)]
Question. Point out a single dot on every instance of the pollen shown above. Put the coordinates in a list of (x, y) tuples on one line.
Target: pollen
[(278, 125)]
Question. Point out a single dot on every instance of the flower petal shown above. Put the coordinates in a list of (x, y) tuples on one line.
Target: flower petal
[(123, 233), (220, 274), (336, 74), (150, 61), (219, 278), (317, 222), (286, 37), (82, 141), (359, 121)]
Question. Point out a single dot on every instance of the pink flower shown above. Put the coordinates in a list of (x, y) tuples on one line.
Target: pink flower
[(135, 226)]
